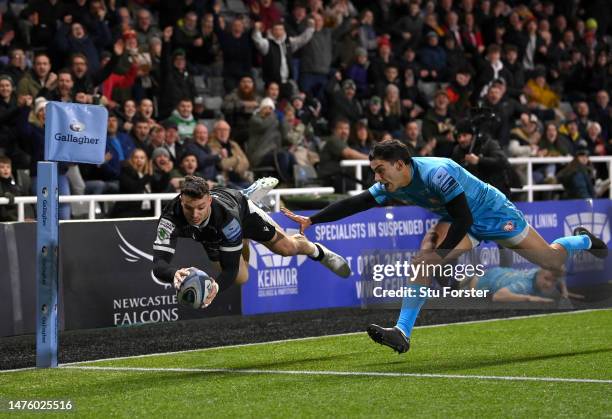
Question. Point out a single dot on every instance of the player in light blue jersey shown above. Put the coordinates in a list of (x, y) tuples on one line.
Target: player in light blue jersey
[(470, 211)]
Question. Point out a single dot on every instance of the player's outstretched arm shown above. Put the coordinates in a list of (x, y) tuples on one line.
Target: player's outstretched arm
[(336, 211)]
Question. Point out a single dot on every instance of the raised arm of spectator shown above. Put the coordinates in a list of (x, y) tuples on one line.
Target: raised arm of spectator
[(261, 43), (302, 39)]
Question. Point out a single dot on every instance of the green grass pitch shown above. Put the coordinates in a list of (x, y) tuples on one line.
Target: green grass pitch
[(546, 366)]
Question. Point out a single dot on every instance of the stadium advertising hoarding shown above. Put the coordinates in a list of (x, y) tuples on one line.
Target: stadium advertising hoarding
[(295, 283), (106, 277)]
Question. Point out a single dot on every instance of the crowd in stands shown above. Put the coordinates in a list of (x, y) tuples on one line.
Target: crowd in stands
[(231, 90)]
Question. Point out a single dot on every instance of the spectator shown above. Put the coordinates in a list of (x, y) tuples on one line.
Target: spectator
[(303, 150), (317, 55), (265, 144), (183, 117), (177, 82), (119, 142), (471, 37), (583, 116), (361, 139), (492, 68), (206, 50), (238, 107), (505, 110), (599, 145), (73, 38), (135, 178), (413, 101), (171, 142), (186, 36), (539, 93), (8, 115), (157, 137), (551, 145), (145, 30), (38, 77), (335, 150), (295, 24), (482, 157), (432, 58), (87, 81), (17, 65), (524, 139), (128, 113), (367, 33), (234, 164), (438, 124), (188, 167), (375, 117), (236, 46), (409, 27), (140, 135), (459, 91), (8, 189), (392, 110), (376, 71), (146, 110), (411, 136), (577, 177), (390, 76), (358, 72), (207, 159), (64, 88), (277, 50), (511, 62), (602, 113), (342, 101), (162, 167), (266, 12)]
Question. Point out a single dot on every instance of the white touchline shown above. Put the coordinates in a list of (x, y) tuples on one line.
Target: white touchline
[(342, 373)]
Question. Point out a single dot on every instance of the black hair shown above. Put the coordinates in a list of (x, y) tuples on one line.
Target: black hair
[(195, 187), (391, 151)]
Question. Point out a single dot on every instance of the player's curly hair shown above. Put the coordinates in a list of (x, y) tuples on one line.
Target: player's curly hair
[(391, 151), (195, 187)]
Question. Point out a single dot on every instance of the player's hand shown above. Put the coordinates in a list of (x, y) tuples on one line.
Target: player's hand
[(179, 277), (209, 299), (304, 222)]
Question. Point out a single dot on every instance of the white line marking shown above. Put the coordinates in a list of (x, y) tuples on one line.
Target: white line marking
[(344, 373), (240, 345)]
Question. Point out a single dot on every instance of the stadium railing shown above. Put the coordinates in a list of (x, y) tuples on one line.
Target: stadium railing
[(157, 198), (530, 187)]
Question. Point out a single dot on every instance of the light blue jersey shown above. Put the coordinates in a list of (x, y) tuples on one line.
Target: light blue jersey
[(437, 181), (517, 281)]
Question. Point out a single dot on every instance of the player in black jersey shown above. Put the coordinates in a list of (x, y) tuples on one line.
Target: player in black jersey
[(223, 220)]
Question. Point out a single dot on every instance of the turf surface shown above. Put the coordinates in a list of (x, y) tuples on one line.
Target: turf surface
[(565, 346)]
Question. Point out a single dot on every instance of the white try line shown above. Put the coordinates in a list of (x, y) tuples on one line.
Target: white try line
[(270, 342), (342, 373)]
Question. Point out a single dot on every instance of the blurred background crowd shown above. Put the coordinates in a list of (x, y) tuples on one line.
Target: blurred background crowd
[(232, 90)]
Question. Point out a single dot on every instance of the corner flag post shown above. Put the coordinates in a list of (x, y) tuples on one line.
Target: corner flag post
[(47, 275)]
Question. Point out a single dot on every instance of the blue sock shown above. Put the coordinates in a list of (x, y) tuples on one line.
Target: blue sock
[(574, 243), (410, 309)]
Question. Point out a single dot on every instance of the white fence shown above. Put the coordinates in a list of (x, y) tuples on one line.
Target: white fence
[(529, 187), (157, 199)]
